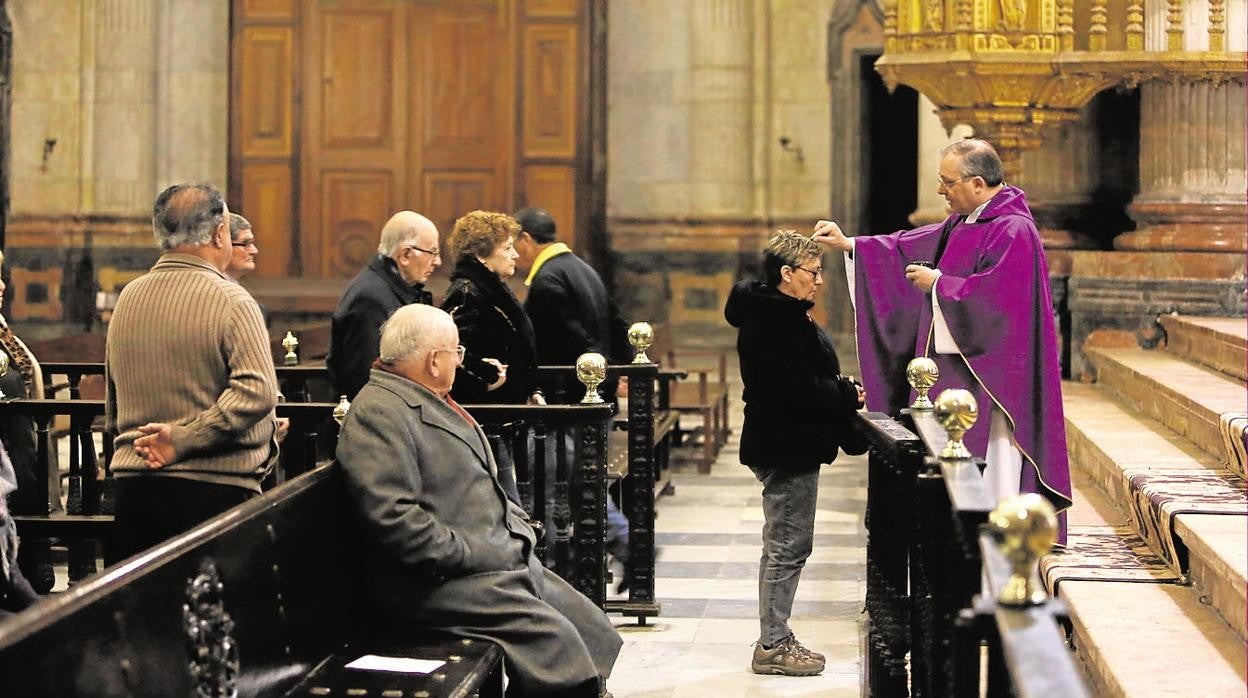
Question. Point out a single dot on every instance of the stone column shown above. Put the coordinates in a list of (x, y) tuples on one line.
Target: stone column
[(721, 101), (192, 93), (1192, 145), (1060, 179), (122, 112), (932, 138), (1192, 169)]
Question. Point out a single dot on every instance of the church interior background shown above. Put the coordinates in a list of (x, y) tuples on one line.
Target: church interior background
[(669, 138)]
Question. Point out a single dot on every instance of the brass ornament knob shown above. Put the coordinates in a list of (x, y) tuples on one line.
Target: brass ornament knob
[(641, 336), (591, 370), (290, 343), (957, 411), (922, 374), (1025, 527), (341, 409)]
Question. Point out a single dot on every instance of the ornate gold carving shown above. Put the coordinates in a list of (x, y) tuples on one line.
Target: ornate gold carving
[(1217, 25), (1174, 26), (1010, 68), (1097, 29), (1066, 25), (1135, 25)]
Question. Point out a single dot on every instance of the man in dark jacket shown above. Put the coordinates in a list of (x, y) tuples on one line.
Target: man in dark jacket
[(571, 314), (407, 255), (567, 302), (798, 410)]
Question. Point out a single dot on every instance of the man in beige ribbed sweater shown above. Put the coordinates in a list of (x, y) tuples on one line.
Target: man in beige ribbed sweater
[(190, 380)]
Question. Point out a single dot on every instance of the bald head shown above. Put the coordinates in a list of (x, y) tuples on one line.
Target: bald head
[(419, 343), (411, 240)]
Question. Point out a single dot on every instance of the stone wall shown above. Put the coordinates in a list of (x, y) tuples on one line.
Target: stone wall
[(718, 133), (112, 101)]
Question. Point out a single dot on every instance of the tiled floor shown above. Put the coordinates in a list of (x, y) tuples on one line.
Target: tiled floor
[(709, 533)]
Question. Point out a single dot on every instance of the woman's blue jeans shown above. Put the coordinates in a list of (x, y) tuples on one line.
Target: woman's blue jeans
[(788, 535)]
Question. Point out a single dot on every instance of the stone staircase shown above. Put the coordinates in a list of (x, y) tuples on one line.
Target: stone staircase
[(1155, 413)]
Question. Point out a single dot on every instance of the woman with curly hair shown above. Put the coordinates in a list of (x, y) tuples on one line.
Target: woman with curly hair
[(500, 355)]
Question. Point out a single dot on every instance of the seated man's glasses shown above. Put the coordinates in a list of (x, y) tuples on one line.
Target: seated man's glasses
[(459, 353)]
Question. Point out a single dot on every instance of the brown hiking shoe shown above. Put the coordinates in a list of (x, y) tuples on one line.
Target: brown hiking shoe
[(789, 658), (807, 650)]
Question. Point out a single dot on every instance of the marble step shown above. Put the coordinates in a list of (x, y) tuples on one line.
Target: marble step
[(1185, 397), (1104, 439), (1152, 640), (1221, 343)]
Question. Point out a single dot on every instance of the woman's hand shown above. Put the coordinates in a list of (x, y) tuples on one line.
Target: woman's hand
[(502, 373), (537, 399)]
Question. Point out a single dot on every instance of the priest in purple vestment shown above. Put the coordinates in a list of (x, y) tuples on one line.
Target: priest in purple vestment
[(971, 293)]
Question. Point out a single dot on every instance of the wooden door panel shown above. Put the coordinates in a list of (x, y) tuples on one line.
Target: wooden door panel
[(357, 85), (268, 9), (460, 105), (449, 195), (549, 89), (354, 206), (267, 83), (553, 187), (552, 9), (267, 191), (354, 169)]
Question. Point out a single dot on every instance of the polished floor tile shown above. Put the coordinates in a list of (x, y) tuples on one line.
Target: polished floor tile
[(709, 537)]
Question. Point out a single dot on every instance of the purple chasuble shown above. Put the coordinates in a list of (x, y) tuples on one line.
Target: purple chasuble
[(994, 294)]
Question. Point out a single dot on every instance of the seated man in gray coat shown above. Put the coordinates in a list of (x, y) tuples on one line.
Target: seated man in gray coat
[(451, 551)]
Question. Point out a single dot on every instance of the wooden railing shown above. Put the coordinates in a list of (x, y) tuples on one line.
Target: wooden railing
[(926, 550)]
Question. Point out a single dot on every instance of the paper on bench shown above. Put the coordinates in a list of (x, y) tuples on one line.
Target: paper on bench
[(403, 665)]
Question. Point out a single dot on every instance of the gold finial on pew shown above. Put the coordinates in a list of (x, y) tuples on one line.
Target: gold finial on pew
[(641, 336), (922, 374), (591, 370), (1025, 526), (290, 343), (956, 410), (341, 409)]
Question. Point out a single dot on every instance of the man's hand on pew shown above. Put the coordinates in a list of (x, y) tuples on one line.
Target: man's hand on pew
[(155, 447)]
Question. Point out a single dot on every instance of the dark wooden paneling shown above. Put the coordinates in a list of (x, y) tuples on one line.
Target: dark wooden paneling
[(354, 206), (266, 192), (550, 91), (266, 123), (553, 187)]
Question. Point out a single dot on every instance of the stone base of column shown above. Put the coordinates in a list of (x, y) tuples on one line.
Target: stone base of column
[(1059, 224), (928, 215), (1114, 298), (1186, 226)]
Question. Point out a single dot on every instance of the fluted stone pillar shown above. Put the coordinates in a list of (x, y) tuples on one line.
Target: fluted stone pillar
[(1060, 178), (721, 102), (931, 206), (121, 106), (1192, 145), (1192, 169)]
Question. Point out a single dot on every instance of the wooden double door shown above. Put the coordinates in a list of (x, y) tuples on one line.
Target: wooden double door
[(345, 111)]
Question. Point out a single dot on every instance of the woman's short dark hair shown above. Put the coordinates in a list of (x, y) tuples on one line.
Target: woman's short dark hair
[(479, 232), (786, 248)]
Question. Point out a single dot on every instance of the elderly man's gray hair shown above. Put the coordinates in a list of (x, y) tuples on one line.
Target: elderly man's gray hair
[(413, 331), (403, 228), (187, 214)]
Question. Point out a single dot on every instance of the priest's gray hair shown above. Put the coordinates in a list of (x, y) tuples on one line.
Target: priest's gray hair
[(787, 248), (977, 158), (413, 331)]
